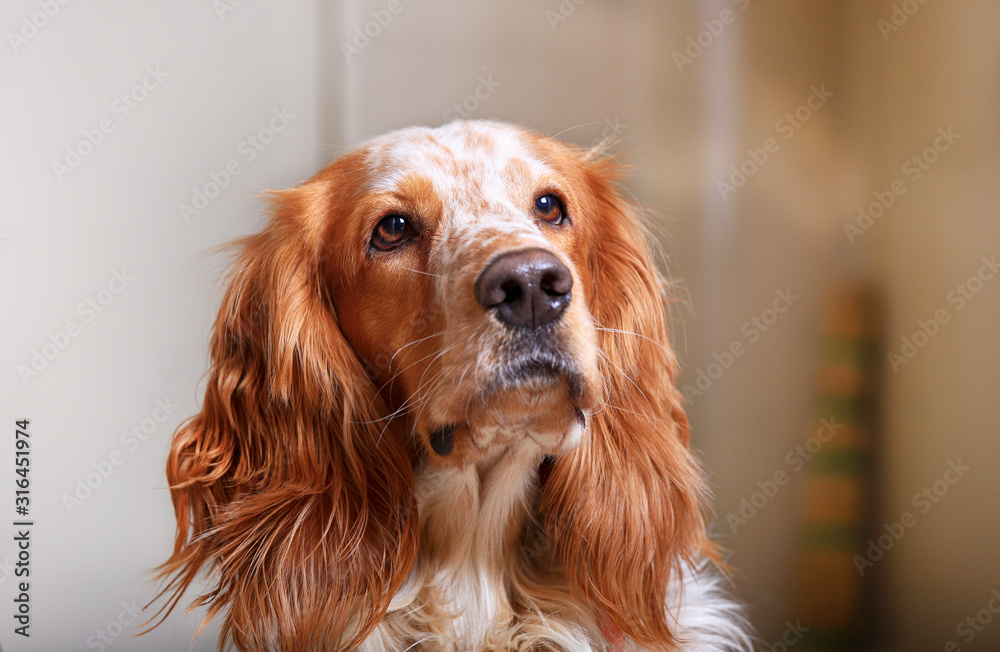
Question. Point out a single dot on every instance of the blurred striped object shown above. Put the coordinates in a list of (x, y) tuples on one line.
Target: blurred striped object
[(830, 595)]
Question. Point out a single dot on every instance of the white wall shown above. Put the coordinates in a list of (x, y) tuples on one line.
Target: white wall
[(64, 239)]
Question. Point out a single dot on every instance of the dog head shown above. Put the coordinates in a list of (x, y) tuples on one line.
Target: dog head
[(430, 297), (459, 275)]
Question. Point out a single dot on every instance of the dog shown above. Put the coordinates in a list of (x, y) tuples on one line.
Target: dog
[(441, 415)]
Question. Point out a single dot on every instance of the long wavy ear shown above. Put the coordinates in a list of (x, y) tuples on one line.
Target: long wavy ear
[(287, 485), (624, 510)]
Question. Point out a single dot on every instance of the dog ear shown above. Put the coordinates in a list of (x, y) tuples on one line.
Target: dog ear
[(624, 510), (287, 484)]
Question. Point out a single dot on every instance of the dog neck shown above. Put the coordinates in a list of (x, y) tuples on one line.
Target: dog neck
[(475, 514), (473, 520)]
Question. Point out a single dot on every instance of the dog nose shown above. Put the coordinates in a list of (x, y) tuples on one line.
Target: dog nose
[(527, 288)]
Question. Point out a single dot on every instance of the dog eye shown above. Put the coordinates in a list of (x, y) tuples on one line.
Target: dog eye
[(549, 208), (391, 231)]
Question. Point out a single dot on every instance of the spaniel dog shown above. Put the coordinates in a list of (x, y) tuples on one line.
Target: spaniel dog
[(441, 415)]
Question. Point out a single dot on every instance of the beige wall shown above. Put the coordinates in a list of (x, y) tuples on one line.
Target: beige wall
[(941, 69)]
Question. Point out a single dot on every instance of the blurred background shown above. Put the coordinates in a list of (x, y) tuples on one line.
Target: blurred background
[(822, 175)]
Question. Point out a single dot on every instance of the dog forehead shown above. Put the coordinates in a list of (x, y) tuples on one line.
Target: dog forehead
[(482, 165)]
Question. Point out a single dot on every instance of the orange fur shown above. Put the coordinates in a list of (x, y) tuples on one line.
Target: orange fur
[(625, 510), (285, 482)]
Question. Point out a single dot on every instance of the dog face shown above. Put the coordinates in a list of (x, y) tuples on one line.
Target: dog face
[(462, 284)]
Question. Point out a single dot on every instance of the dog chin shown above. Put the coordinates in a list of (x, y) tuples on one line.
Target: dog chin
[(540, 410)]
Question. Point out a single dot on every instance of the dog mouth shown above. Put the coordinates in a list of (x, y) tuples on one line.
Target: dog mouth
[(535, 390), (534, 362), (534, 371)]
